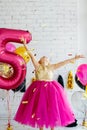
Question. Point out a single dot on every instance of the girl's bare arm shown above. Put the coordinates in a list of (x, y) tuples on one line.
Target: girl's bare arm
[(62, 63), (33, 59)]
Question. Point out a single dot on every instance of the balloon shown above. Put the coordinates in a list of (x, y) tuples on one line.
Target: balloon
[(18, 64), (9, 128), (82, 74), (79, 83), (3, 94), (78, 101), (21, 86), (10, 47), (23, 53), (60, 80), (6, 70)]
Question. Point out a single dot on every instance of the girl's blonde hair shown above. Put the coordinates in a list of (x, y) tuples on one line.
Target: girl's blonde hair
[(43, 57)]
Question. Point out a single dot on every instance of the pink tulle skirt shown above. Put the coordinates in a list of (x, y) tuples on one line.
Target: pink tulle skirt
[(44, 104)]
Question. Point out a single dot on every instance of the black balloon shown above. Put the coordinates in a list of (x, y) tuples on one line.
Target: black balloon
[(21, 87), (79, 83), (60, 80)]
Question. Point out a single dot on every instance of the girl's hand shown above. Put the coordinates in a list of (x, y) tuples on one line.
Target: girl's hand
[(23, 40), (76, 58), (79, 56)]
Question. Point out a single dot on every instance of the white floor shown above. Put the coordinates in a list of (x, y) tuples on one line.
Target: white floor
[(26, 128), (17, 126)]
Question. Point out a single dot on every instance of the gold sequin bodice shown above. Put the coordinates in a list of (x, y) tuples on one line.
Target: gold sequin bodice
[(44, 73)]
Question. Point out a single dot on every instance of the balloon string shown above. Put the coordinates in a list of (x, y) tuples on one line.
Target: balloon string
[(9, 108)]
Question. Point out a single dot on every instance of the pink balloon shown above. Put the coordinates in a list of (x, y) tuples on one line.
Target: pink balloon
[(82, 74), (10, 47), (17, 62)]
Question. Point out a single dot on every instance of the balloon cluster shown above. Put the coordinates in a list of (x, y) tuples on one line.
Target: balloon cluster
[(12, 61), (20, 51)]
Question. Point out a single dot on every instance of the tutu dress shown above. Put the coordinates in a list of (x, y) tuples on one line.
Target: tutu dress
[(44, 104)]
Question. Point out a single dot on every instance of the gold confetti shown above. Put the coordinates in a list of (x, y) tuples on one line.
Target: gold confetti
[(34, 90), (24, 102), (33, 115)]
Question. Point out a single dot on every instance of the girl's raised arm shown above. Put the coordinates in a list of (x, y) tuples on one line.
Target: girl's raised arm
[(33, 59), (62, 63)]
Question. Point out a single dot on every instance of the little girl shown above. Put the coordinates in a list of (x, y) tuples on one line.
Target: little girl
[(45, 103)]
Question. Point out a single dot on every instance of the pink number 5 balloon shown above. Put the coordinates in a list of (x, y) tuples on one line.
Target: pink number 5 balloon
[(17, 62)]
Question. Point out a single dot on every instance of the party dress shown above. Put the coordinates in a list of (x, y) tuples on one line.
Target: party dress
[(45, 103)]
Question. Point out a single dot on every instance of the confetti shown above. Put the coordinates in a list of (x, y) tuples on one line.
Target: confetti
[(24, 102), (38, 118), (33, 115), (45, 85), (69, 54), (43, 25), (34, 90)]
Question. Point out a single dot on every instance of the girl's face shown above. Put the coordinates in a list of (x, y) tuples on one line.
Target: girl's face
[(44, 60)]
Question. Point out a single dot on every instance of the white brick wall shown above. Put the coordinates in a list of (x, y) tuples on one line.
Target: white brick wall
[(83, 28), (54, 28)]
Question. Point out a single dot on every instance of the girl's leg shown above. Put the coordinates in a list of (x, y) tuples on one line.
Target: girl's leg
[(41, 128), (52, 128)]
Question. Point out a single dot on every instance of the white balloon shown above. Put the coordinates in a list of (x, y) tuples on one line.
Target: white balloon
[(3, 94), (79, 101)]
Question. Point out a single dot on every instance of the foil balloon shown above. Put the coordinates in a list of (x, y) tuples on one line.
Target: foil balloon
[(79, 83), (6, 70), (82, 76), (21, 87), (10, 47), (15, 61), (23, 53), (3, 94)]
